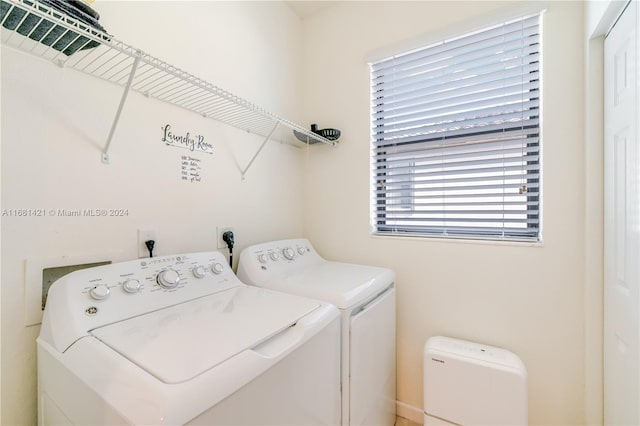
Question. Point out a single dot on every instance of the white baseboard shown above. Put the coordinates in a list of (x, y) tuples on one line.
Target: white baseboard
[(410, 412)]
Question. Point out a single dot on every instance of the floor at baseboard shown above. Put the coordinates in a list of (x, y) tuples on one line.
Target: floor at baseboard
[(401, 421)]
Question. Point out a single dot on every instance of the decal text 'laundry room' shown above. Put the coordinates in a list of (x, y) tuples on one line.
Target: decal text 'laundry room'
[(195, 143)]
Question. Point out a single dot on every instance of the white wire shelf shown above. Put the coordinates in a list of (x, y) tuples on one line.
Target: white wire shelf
[(44, 32)]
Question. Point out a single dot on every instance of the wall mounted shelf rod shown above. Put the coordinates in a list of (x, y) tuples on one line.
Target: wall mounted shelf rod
[(127, 89), (244, 172)]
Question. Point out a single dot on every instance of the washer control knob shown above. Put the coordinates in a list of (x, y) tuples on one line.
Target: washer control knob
[(169, 278), (99, 292), (302, 251), (217, 268), (131, 286), (199, 271), (288, 253), (262, 258), (274, 255)]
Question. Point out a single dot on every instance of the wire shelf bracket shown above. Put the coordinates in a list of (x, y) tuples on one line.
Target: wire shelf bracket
[(34, 28), (127, 89), (244, 172)]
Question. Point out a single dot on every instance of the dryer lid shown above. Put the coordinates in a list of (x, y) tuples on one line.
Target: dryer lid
[(178, 343), (343, 284)]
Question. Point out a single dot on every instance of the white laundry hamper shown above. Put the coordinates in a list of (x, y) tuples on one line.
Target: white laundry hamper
[(467, 383)]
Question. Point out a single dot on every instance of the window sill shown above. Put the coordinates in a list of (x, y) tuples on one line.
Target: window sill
[(459, 240)]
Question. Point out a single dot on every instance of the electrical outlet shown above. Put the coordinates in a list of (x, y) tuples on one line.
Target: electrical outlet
[(221, 231), (145, 235)]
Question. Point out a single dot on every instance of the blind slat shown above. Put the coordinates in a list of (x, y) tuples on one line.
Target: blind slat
[(472, 204), (421, 177), (531, 193), (503, 232), (438, 155), (503, 220), (508, 137), (452, 183), (466, 189), (508, 119), (457, 133)]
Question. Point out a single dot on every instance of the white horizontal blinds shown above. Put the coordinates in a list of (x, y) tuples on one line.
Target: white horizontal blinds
[(456, 139)]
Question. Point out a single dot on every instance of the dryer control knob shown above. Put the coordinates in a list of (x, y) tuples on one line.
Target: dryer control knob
[(274, 255), (301, 251), (262, 258), (217, 268), (99, 292), (199, 271), (131, 286), (169, 278), (288, 253)]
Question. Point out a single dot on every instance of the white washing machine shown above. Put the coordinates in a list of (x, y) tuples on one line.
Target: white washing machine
[(366, 298), (179, 340)]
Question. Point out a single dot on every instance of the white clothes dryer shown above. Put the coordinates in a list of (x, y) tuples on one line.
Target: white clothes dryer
[(366, 298), (177, 340)]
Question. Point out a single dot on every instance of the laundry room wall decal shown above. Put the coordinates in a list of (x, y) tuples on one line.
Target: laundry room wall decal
[(190, 169), (195, 143)]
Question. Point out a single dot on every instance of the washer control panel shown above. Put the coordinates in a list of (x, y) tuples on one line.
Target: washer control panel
[(156, 274), (93, 297)]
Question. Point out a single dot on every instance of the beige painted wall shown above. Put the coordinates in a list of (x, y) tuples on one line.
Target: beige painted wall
[(55, 122), (528, 299)]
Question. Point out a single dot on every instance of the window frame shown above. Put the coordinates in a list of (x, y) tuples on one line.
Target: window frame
[(379, 218)]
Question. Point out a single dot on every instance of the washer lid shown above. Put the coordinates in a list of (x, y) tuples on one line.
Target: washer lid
[(181, 342), (343, 284)]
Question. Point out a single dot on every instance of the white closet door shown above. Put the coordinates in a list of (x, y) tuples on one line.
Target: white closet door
[(622, 223)]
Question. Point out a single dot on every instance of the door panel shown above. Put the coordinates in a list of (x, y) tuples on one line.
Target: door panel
[(622, 224)]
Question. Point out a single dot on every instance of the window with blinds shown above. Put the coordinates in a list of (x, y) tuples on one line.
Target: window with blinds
[(456, 136)]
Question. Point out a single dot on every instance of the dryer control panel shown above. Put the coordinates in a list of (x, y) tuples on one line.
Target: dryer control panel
[(283, 251), (276, 259), (89, 298)]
